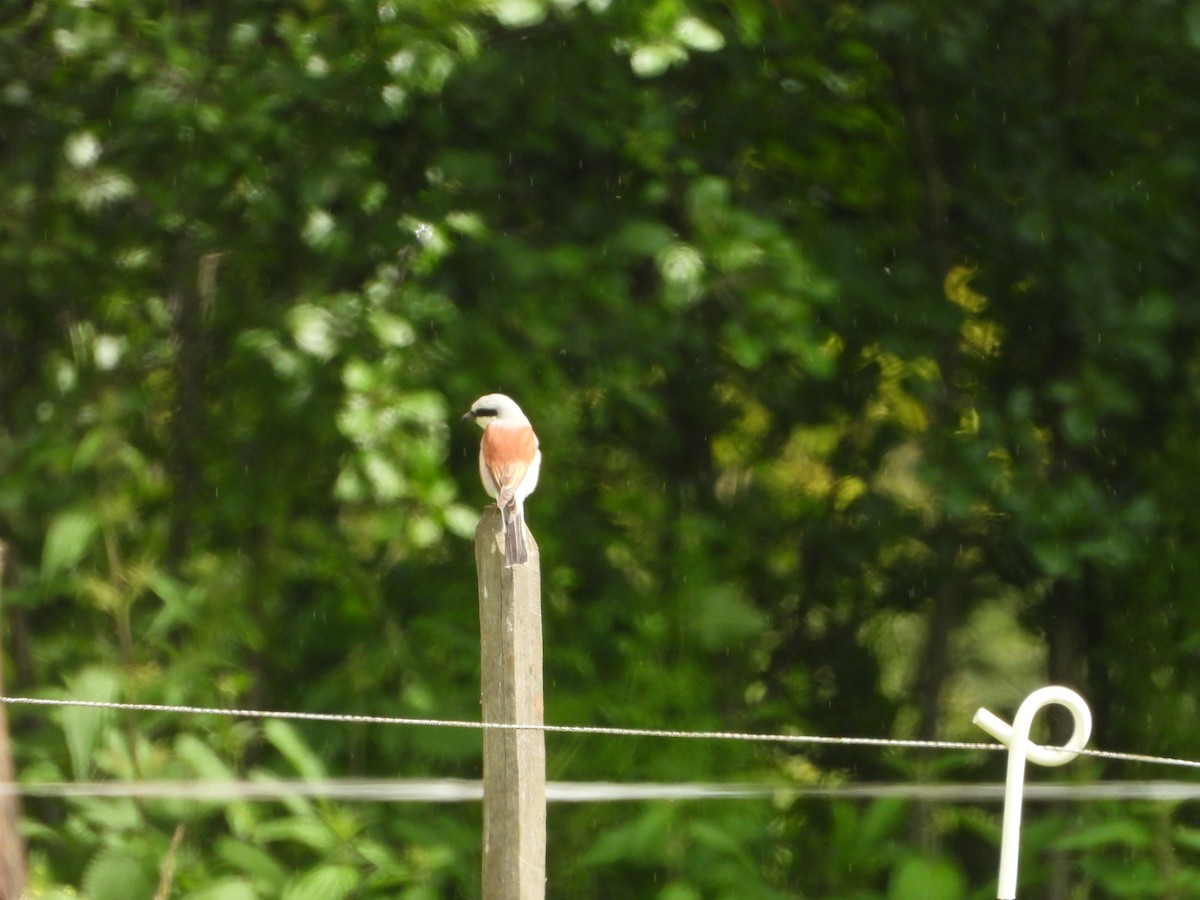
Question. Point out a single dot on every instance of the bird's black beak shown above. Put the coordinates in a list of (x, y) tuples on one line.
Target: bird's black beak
[(469, 414)]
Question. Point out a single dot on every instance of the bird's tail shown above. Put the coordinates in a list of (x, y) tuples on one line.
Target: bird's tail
[(515, 550)]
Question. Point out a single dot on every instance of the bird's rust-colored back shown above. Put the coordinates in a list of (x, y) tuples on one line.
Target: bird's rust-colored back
[(506, 455)]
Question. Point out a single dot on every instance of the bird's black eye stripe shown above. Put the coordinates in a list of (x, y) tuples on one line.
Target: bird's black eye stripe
[(486, 411)]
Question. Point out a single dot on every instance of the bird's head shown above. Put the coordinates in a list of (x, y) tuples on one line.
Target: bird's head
[(493, 407)]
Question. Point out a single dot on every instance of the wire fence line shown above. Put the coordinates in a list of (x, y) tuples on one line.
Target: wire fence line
[(351, 718), (455, 790), (382, 790)]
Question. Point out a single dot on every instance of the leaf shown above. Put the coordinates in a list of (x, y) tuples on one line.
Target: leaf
[(643, 840), (1187, 837), (698, 34), (323, 883), (1115, 834), (927, 879), (90, 446), (201, 759), (461, 520), (206, 764), (82, 724), (877, 827), (254, 861), (387, 481), (392, 331), (723, 617), (287, 741), (307, 830), (1054, 559), (226, 889), (644, 236), (1191, 20), (650, 60), (518, 13), (679, 891), (314, 330), (747, 349), (172, 591), (114, 875), (114, 814), (67, 540), (957, 286), (718, 838)]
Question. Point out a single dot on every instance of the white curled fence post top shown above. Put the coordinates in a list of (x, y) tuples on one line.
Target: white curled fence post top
[(1020, 749)]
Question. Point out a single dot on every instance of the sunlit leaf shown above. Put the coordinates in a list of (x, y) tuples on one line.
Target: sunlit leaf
[(518, 13), (114, 874), (254, 861), (82, 725), (227, 888), (927, 879), (287, 740), (650, 60), (698, 34), (957, 286), (68, 540)]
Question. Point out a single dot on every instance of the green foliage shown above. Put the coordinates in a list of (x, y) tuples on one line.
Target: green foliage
[(1118, 850), (861, 340), (113, 874), (930, 879), (82, 725)]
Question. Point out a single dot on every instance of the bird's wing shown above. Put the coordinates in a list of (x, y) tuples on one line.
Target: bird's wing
[(507, 453)]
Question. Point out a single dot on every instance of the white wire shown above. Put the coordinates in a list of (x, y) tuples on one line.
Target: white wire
[(452, 790), (508, 726), (577, 729), (428, 790)]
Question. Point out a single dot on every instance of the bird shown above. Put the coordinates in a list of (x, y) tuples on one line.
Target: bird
[(509, 464)]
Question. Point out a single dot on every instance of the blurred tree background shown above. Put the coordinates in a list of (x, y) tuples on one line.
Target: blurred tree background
[(861, 338)]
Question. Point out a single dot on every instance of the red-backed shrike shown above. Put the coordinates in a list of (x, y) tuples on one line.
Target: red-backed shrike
[(509, 462)]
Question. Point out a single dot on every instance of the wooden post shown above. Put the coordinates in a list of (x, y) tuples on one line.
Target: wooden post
[(514, 762), (12, 847)]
